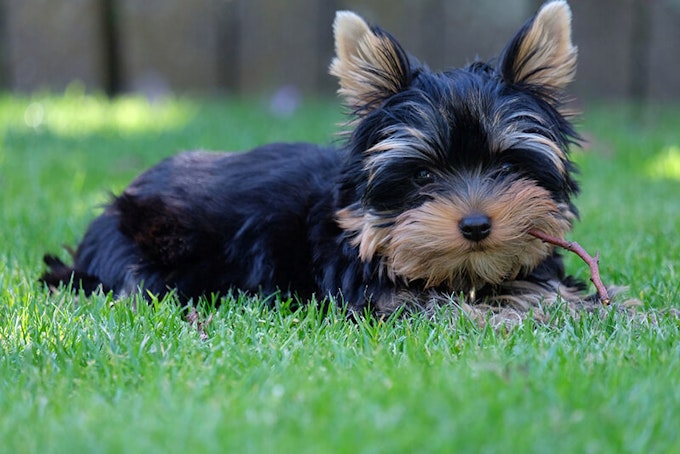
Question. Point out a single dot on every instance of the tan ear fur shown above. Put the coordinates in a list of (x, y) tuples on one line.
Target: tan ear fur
[(369, 64), (545, 55)]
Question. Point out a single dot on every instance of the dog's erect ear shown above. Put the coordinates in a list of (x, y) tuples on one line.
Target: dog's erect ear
[(542, 54), (369, 63)]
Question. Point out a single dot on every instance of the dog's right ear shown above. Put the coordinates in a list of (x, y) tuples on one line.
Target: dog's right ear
[(369, 63)]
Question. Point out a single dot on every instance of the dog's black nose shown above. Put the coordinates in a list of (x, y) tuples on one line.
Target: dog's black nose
[(475, 227)]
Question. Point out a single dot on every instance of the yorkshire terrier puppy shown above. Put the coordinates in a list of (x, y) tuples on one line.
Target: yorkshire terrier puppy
[(430, 199)]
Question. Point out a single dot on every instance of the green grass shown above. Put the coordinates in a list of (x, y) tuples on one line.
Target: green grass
[(77, 375)]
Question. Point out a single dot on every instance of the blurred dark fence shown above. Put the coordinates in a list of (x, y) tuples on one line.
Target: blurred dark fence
[(627, 48)]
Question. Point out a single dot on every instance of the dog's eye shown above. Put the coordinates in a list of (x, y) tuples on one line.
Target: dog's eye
[(423, 177)]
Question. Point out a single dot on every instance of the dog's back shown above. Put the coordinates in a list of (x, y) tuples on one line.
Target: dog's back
[(206, 222)]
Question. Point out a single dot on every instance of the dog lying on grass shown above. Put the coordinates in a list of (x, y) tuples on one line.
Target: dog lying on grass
[(432, 199)]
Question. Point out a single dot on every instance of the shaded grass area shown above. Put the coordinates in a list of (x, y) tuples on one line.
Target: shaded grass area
[(77, 375)]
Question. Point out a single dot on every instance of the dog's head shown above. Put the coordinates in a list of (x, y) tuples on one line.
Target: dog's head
[(448, 171)]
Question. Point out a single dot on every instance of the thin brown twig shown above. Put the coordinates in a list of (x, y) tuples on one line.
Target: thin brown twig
[(591, 261), (194, 319)]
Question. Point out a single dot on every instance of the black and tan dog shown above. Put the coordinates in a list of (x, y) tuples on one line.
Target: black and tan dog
[(431, 197)]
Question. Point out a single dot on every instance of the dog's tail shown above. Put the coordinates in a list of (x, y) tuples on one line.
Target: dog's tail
[(60, 274)]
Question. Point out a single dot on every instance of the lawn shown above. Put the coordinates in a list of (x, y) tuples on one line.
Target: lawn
[(80, 375)]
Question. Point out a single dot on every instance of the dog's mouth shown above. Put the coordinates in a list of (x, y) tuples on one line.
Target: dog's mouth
[(478, 247), (459, 263)]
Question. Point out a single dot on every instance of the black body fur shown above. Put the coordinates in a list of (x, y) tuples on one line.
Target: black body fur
[(341, 222)]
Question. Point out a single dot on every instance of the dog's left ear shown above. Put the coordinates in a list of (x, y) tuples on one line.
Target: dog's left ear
[(369, 63), (541, 54)]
